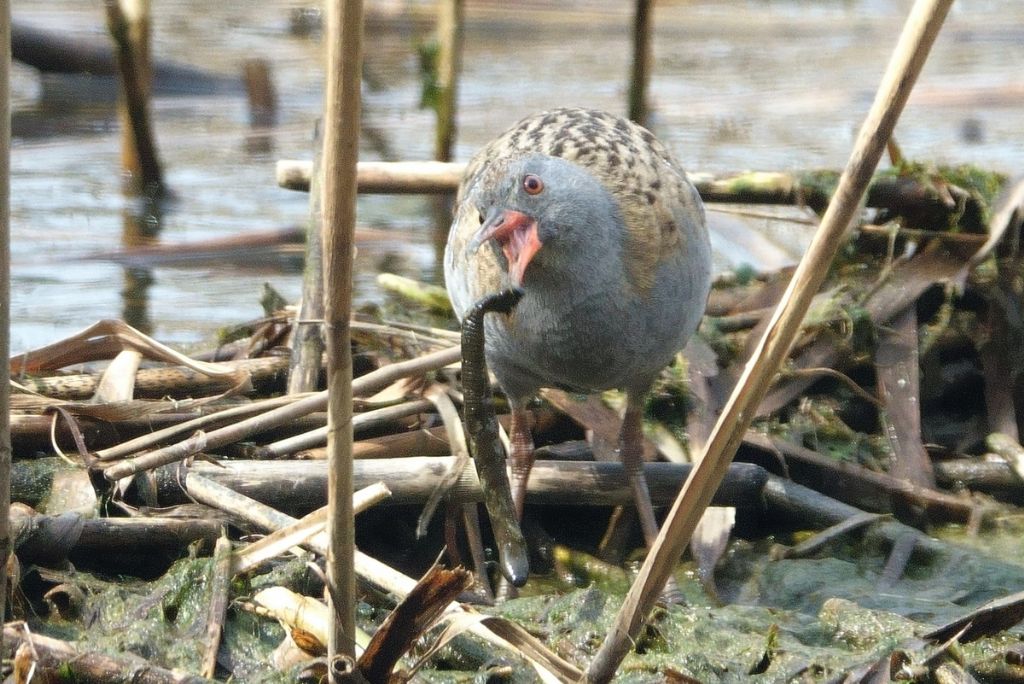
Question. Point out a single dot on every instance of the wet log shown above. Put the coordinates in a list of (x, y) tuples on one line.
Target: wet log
[(301, 485), (101, 536), (235, 249), (58, 53), (867, 489), (51, 539), (53, 52), (989, 476), (795, 504), (56, 660)]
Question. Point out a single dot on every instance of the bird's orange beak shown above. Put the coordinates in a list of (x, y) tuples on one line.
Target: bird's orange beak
[(516, 233)]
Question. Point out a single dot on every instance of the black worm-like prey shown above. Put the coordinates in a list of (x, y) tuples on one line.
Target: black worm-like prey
[(482, 429)]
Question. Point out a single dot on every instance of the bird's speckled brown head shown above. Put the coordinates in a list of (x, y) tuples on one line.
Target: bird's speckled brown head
[(626, 159)]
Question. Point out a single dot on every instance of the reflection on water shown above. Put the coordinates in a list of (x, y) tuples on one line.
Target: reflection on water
[(758, 85)]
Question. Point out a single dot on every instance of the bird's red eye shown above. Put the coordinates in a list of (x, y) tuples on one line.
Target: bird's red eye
[(532, 184)]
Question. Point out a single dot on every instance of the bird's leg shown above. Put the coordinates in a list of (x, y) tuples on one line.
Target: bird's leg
[(631, 451), (521, 458)]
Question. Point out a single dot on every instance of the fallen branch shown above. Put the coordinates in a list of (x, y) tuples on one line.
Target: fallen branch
[(869, 490), (162, 382), (60, 53), (901, 194), (52, 539), (299, 485), (979, 475), (55, 660), (415, 177), (803, 506)]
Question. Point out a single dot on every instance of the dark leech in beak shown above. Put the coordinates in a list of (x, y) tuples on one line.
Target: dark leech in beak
[(482, 429)]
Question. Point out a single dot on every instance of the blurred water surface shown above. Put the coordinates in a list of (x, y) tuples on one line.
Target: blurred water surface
[(767, 85)]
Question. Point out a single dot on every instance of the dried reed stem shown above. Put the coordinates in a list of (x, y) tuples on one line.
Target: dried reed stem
[(5, 293), (344, 38)]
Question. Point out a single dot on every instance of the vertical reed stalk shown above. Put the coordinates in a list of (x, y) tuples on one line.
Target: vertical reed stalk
[(340, 154), (5, 296), (128, 23), (307, 331), (641, 72), (449, 65)]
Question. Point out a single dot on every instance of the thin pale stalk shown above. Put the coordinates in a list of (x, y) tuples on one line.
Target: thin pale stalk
[(311, 528), (318, 436), (5, 293), (147, 440), (220, 584), (216, 438), (282, 409), (909, 57), (405, 177), (307, 331), (344, 38), (382, 377)]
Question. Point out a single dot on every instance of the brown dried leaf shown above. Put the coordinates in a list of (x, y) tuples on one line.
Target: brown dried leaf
[(410, 620), (104, 340)]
